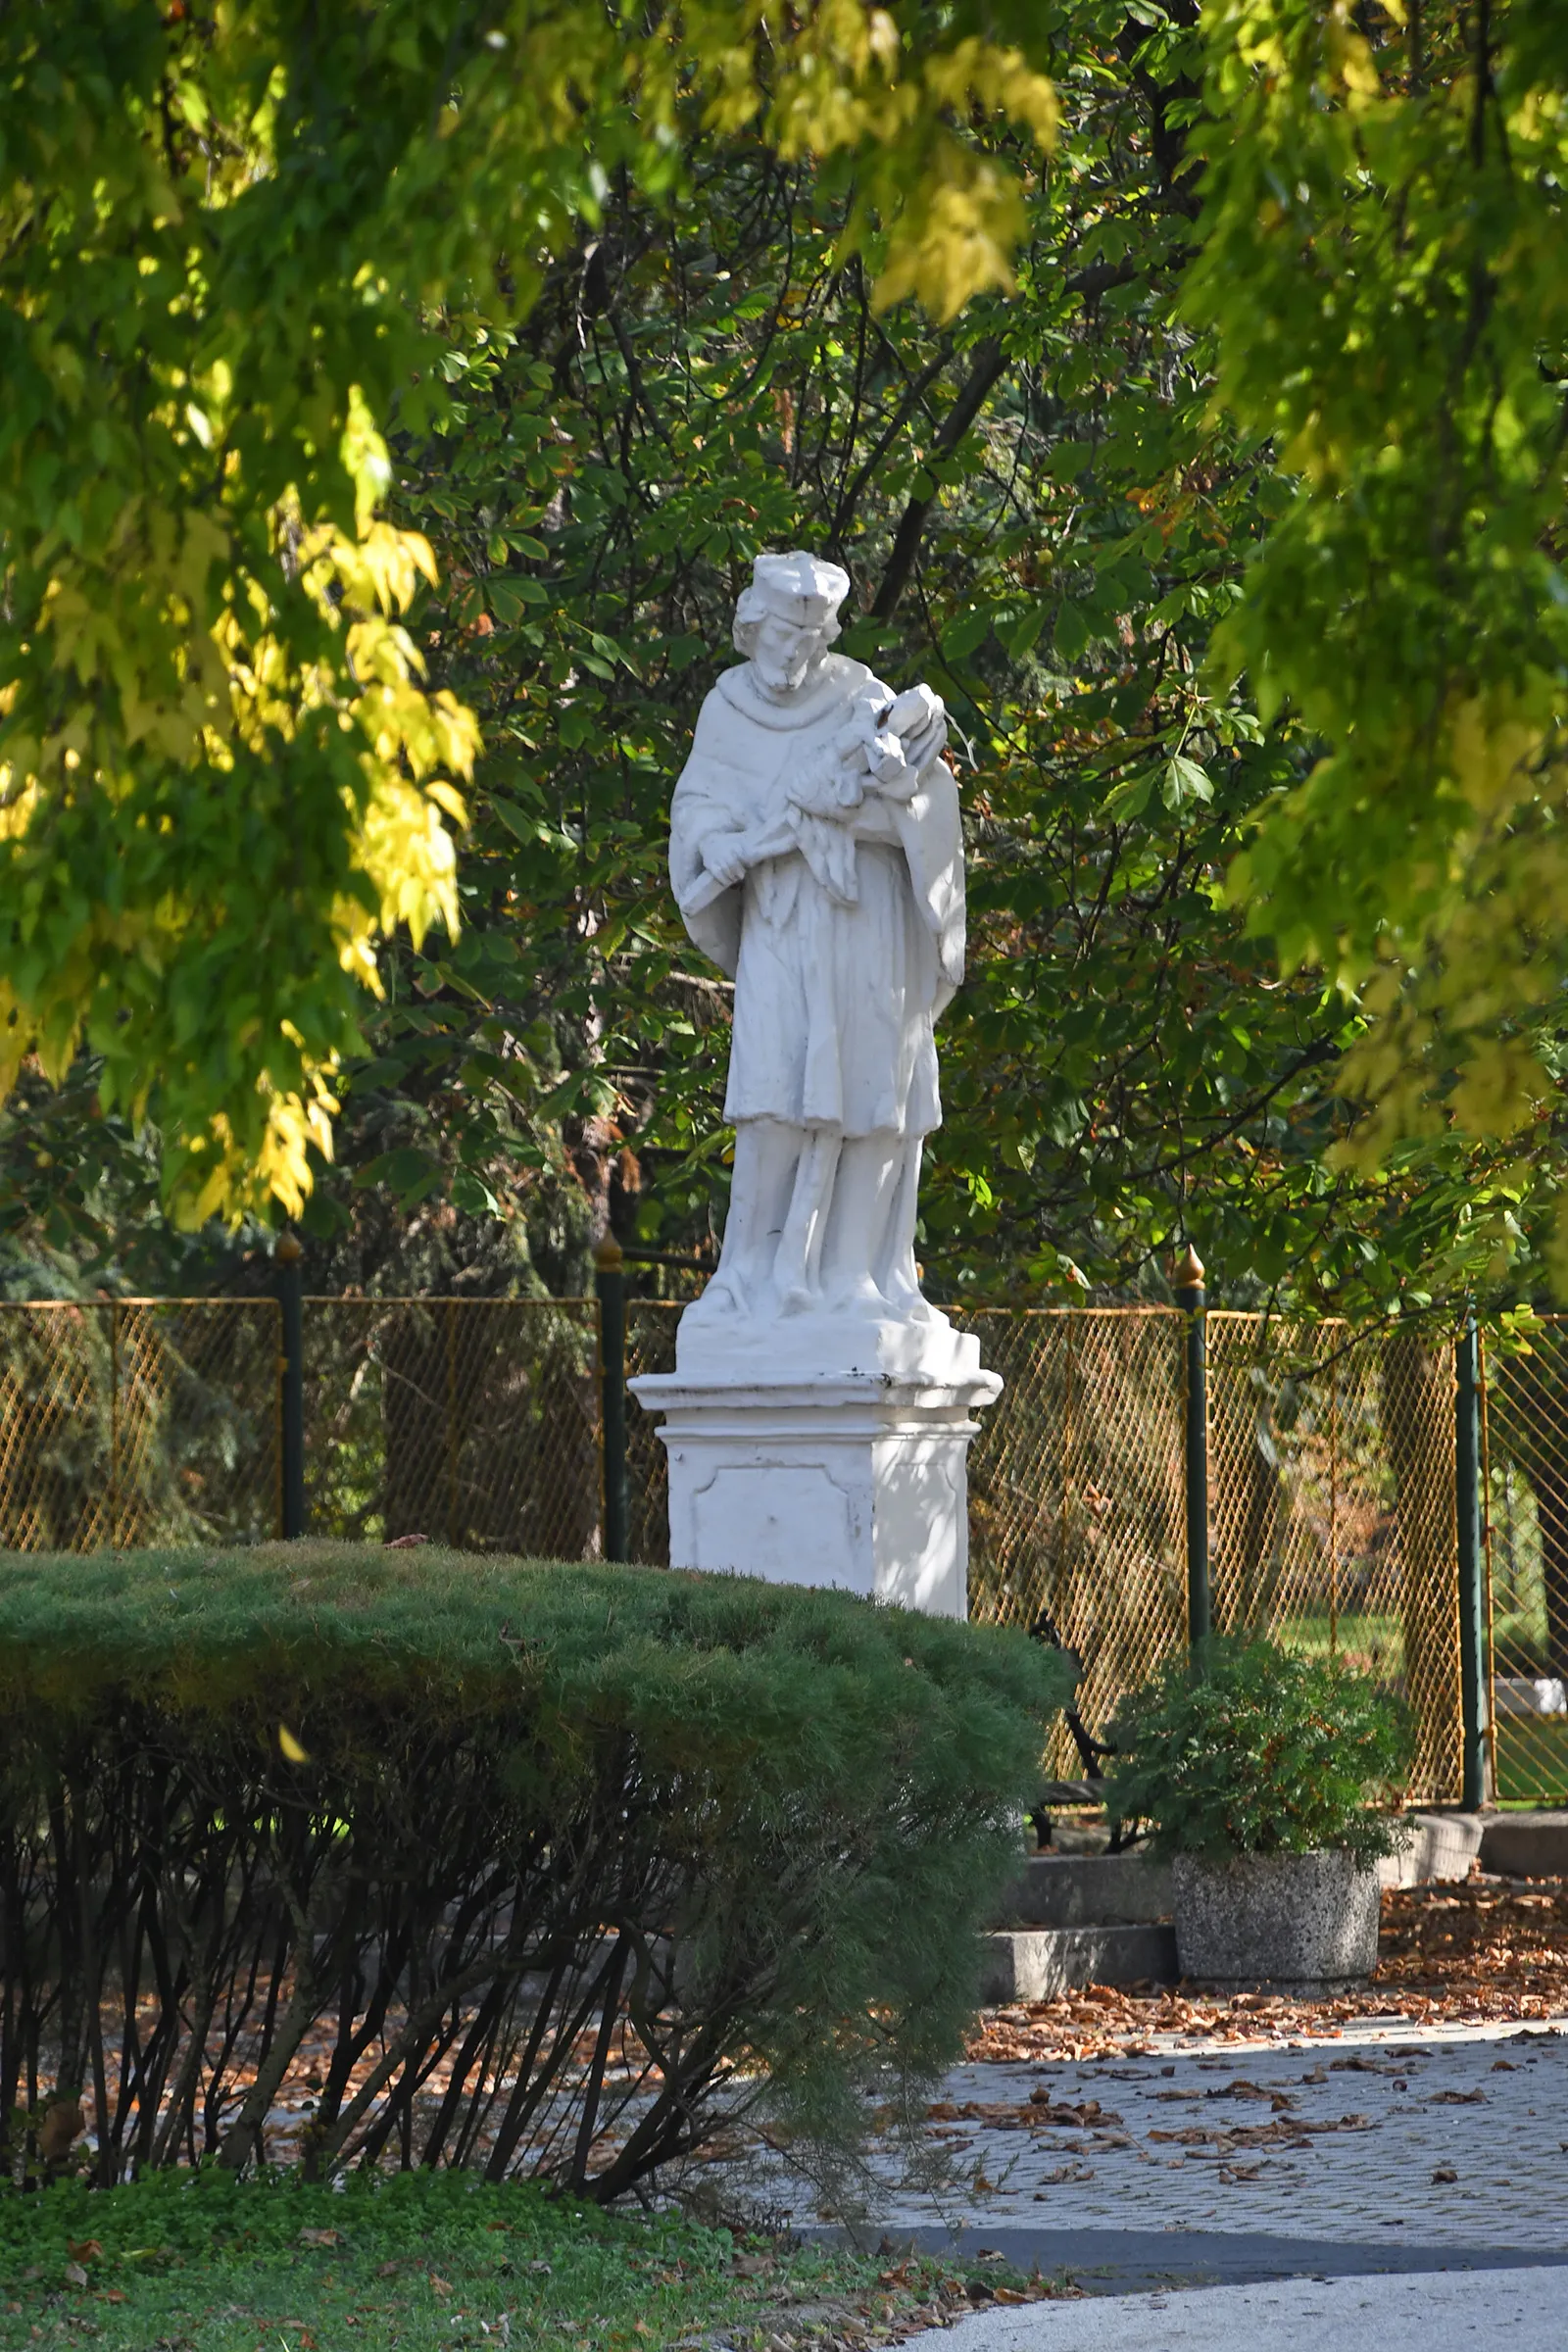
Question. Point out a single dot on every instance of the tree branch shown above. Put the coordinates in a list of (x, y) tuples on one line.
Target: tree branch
[(990, 361), (914, 392)]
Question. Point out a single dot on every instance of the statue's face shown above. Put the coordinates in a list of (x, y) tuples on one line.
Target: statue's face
[(786, 652)]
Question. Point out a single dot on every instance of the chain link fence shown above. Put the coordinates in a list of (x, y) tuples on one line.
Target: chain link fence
[(1076, 1509), (1525, 1502), (479, 1422), (473, 1422), (139, 1421), (650, 1348), (1332, 1507), (1331, 1499)]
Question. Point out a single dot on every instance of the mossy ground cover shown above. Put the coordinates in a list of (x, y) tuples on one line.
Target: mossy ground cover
[(203, 2263)]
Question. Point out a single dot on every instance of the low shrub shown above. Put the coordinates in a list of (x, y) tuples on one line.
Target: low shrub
[(1252, 1751), (536, 1869)]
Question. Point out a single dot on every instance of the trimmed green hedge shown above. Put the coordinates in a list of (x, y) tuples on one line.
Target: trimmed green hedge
[(544, 1869)]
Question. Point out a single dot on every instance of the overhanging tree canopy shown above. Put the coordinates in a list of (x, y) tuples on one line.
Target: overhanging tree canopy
[(1384, 264), (1034, 495), (224, 774)]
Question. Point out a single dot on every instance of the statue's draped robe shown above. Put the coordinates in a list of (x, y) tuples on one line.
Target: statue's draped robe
[(834, 1003)]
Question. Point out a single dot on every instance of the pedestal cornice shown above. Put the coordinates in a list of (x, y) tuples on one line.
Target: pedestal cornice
[(828, 1400)]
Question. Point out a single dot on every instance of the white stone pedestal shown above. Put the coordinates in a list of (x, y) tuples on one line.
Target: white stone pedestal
[(852, 1477)]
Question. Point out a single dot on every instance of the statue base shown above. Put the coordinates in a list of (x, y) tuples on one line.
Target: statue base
[(854, 1477)]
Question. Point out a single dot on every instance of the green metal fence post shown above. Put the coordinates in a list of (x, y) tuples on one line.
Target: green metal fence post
[(453, 1535), (1472, 1605), (1190, 1298), (114, 1424), (288, 1257), (609, 1281)]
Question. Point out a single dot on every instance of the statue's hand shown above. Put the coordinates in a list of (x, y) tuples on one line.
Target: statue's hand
[(920, 749), (724, 858), (920, 718)]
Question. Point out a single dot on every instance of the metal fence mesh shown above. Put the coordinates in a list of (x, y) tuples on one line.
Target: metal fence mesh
[(1075, 1491), (650, 1348), (138, 1422), (475, 1422), (1332, 1507), (1525, 1493)]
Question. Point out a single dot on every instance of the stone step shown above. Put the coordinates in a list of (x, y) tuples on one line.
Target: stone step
[(1035, 1964), (1069, 1920), (1086, 1890), (1440, 1846), (1526, 1846)]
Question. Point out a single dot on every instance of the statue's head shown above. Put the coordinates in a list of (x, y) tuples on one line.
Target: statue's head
[(787, 618)]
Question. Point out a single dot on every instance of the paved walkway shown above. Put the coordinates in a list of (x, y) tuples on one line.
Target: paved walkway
[(1525, 2309), (1388, 2186), (1452, 2141)]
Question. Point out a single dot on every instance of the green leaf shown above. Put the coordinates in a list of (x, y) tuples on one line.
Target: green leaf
[(961, 636), (1184, 785), (413, 1175), (1073, 633), (1131, 797), (512, 593), (1068, 460), (1027, 631)]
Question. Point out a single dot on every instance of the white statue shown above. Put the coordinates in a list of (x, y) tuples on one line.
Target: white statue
[(816, 856), (820, 1414)]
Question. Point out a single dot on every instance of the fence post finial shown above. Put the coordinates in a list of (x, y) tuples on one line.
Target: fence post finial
[(1188, 1273)]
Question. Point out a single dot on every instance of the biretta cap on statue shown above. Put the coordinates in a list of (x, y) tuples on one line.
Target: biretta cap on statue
[(799, 587)]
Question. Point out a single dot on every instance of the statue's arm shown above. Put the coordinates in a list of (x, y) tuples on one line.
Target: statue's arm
[(873, 820), (700, 814), (709, 805), (930, 829)]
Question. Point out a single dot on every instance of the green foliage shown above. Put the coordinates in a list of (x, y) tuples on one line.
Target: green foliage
[(224, 774), (1381, 262), (1041, 516), (222, 2263), (476, 1811), (1045, 510), (1254, 1751)]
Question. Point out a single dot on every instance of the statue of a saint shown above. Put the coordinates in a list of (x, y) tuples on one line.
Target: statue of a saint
[(816, 856)]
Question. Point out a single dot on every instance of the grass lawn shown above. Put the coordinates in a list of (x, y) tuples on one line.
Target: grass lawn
[(1533, 1759), (202, 2263)]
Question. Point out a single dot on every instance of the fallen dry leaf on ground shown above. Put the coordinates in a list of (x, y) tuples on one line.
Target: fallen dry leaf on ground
[(1477, 1951)]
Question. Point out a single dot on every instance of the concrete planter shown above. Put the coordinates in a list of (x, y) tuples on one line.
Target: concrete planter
[(1283, 1923)]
